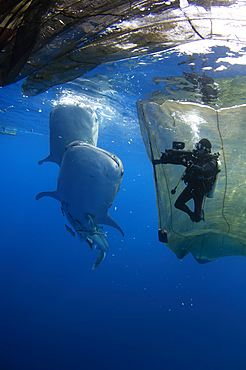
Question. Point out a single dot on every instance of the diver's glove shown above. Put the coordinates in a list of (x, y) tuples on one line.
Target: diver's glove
[(161, 160), (156, 161), (164, 158)]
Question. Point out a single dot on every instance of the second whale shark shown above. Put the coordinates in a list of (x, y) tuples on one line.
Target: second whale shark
[(88, 182), (68, 123)]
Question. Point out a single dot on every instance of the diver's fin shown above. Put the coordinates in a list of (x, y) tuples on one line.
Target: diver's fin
[(100, 258)]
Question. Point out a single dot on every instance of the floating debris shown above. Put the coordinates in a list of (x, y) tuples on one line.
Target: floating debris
[(5, 131)]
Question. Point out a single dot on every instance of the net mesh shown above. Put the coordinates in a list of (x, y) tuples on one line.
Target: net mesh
[(223, 232), (51, 42)]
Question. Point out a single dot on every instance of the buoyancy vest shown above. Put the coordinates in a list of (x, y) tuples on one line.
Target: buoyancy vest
[(202, 175)]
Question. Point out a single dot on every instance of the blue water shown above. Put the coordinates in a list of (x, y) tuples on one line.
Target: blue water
[(142, 308)]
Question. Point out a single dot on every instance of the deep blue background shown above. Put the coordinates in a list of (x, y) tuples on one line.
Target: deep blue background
[(142, 308)]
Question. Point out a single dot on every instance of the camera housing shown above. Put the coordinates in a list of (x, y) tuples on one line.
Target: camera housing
[(177, 155)]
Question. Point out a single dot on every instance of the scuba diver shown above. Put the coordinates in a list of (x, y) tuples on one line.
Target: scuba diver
[(200, 174)]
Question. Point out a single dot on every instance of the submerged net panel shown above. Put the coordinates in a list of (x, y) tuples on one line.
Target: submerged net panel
[(223, 233)]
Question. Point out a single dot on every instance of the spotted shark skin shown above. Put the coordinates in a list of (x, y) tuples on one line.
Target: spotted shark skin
[(88, 182), (68, 123)]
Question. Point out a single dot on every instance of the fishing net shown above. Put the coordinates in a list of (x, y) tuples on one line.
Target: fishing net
[(52, 42), (223, 231)]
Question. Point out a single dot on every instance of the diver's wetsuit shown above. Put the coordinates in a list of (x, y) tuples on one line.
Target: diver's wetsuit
[(184, 197), (200, 178)]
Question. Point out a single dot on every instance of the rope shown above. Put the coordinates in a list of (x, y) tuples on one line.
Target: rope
[(223, 203), (152, 160), (155, 176)]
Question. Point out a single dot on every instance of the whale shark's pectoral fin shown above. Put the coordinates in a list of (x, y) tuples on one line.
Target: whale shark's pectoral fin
[(47, 159), (100, 258), (110, 222), (52, 194)]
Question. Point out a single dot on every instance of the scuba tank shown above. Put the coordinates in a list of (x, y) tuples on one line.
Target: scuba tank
[(212, 191)]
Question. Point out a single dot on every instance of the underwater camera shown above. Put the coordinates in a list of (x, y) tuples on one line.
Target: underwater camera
[(177, 155)]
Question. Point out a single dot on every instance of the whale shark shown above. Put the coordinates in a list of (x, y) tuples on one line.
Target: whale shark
[(88, 182), (68, 123)]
